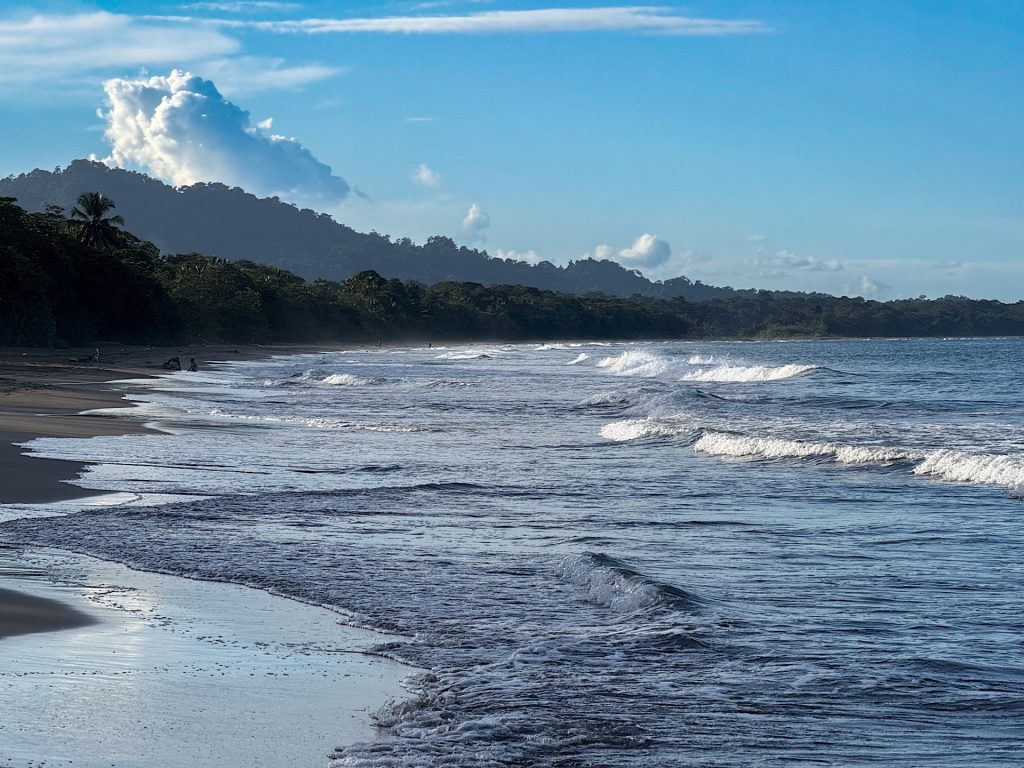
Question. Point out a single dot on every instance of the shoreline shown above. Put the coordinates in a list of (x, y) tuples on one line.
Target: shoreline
[(242, 675), (45, 393)]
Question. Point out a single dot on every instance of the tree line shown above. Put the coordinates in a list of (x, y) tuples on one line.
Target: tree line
[(77, 278)]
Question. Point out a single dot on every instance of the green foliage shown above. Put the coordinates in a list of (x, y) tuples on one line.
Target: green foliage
[(57, 287)]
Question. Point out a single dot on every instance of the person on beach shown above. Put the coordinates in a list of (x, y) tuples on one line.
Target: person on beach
[(192, 365), (174, 364)]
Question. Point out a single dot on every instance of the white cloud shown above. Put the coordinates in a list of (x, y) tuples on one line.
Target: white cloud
[(45, 48), (756, 238), (421, 119), (426, 177), (530, 256), (647, 252), (242, 6), (180, 128), (475, 223), (642, 19), (72, 53), (783, 263), (241, 75)]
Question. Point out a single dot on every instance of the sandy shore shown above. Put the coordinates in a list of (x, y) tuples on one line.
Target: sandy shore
[(173, 672), (115, 667)]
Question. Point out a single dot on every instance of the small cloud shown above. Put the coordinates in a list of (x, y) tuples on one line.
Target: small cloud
[(426, 177), (866, 287), (265, 125), (529, 257), (647, 252), (180, 128), (476, 222), (421, 119), (756, 238)]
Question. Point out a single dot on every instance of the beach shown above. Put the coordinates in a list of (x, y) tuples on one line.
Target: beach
[(113, 666)]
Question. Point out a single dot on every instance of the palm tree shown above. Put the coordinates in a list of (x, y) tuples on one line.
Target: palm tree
[(94, 228)]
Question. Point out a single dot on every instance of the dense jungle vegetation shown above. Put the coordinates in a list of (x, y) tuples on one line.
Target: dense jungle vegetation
[(76, 278)]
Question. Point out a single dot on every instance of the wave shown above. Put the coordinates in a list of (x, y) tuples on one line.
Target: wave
[(348, 380), (950, 465), (611, 583), (701, 360), (637, 429), (741, 373), (606, 400), (722, 444), (581, 357), (980, 468), (636, 363)]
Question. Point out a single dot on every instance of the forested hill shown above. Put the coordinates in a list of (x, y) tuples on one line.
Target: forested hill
[(80, 279), (229, 223)]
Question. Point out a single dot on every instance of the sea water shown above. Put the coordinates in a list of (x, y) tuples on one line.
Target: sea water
[(648, 554)]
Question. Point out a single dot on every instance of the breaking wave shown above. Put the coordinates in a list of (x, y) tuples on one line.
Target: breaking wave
[(637, 429), (348, 380), (741, 373), (981, 468), (636, 363), (581, 357), (722, 444), (950, 465)]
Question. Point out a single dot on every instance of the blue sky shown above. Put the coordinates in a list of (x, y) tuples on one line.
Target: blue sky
[(869, 148)]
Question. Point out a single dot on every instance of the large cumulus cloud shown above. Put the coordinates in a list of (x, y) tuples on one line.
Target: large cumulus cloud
[(180, 128)]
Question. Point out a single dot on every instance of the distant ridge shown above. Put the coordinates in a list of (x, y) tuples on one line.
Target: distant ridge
[(230, 223)]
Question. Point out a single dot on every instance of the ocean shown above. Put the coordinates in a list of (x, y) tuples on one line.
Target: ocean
[(644, 554)]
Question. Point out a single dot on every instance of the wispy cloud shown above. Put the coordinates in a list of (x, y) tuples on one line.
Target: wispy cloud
[(241, 6), (640, 19), (241, 75), (40, 48), (783, 263), (75, 52)]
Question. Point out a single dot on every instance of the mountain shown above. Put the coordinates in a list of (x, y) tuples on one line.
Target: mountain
[(230, 223)]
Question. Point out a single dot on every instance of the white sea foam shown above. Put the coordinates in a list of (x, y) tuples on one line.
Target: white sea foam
[(348, 380), (981, 468), (701, 360), (319, 422), (636, 363), (581, 357), (741, 373), (721, 444), (636, 429)]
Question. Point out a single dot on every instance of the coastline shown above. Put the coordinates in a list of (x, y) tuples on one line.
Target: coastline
[(260, 706)]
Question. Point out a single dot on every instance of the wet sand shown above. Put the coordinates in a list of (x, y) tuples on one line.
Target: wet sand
[(110, 666), (181, 673)]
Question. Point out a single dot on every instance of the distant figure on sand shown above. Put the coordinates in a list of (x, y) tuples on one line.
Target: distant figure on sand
[(192, 365), (174, 364)]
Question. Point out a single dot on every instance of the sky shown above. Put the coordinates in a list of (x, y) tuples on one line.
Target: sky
[(860, 148)]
